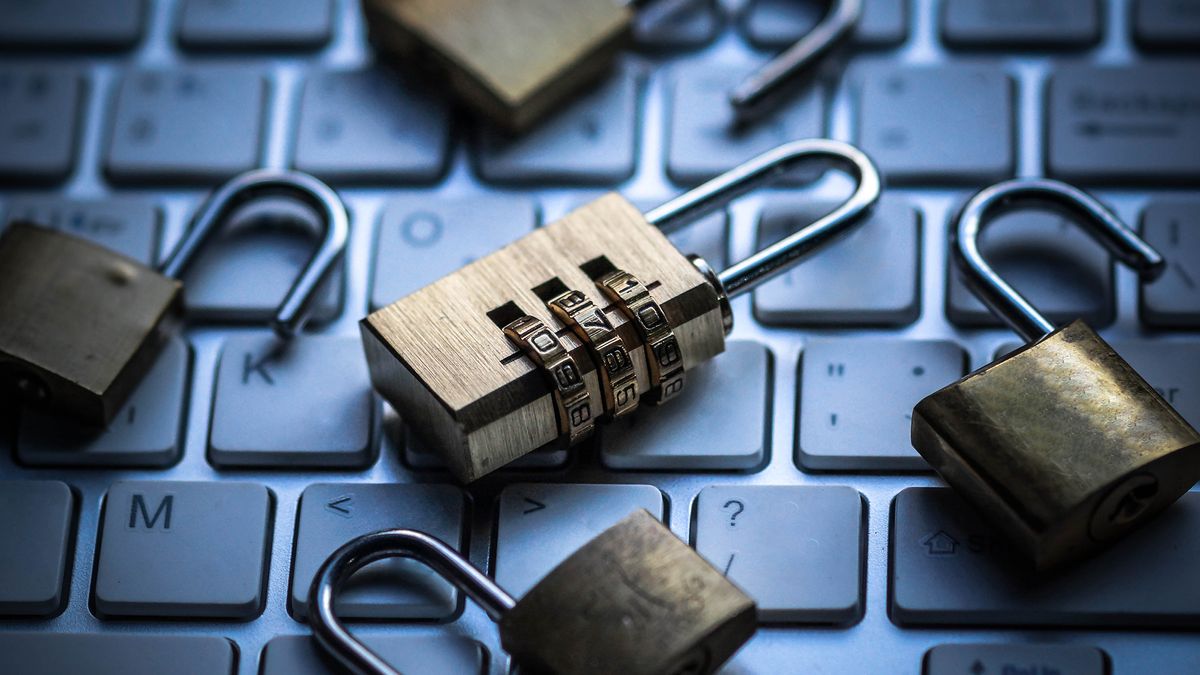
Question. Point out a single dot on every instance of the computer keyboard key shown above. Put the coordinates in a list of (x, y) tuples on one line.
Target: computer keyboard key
[(146, 432), (39, 122), (1173, 301), (1049, 259), (701, 138), (421, 239), (797, 550), (1166, 24), (255, 24), (425, 654), (856, 399), (332, 514), (36, 531), (870, 277), (71, 24), (1015, 659), (774, 24), (197, 125), (183, 549), (47, 653), (371, 126), (304, 403), (683, 24), (540, 524), (943, 124), (128, 225), (694, 431), (1021, 24), (948, 567), (1108, 124), (591, 140)]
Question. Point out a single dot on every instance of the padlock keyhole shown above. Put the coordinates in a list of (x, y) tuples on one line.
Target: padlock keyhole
[(1124, 505), (1133, 503)]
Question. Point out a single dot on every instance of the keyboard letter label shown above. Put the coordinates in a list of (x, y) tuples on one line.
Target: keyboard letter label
[(141, 517)]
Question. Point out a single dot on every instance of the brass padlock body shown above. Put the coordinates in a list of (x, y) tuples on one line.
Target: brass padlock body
[(635, 600), (451, 373), (514, 61), (78, 321), (1061, 443)]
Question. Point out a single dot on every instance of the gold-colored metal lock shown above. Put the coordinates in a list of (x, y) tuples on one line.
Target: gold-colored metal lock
[(580, 320), (1061, 444), (635, 600), (81, 324)]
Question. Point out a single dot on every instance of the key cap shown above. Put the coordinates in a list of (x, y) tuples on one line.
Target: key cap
[(592, 140), (39, 122), (255, 24), (304, 404), (856, 399), (145, 433), (71, 24), (36, 528), (870, 277), (540, 524), (176, 549), (1173, 228), (197, 125), (946, 124), (694, 432), (426, 654), (680, 24), (948, 567), (1017, 659), (370, 125), (1056, 265), (774, 24), (332, 514), (115, 654), (1021, 24), (1166, 24), (701, 139), (434, 237), (128, 225), (798, 551), (1110, 124), (1173, 368)]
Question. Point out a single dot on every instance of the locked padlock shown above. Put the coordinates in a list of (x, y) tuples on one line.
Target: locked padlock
[(580, 320), (635, 600), (81, 324), (1061, 444)]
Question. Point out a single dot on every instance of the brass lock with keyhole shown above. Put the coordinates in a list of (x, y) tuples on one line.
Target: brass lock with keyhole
[(1060, 444), (581, 320)]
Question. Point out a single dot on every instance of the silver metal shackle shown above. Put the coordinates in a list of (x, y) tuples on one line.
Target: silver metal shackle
[(1078, 206), (301, 299), (366, 549)]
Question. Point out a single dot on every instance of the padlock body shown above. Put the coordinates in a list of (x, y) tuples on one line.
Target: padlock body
[(79, 323), (514, 61), (636, 601), (440, 358), (1061, 444)]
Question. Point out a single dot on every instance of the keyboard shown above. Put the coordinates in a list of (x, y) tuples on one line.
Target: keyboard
[(183, 539)]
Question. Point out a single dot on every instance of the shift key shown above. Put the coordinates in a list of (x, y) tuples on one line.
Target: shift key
[(1109, 124)]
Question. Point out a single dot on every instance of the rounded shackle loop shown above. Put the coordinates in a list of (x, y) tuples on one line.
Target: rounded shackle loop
[(1074, 204), (366, 549), (301, 299)]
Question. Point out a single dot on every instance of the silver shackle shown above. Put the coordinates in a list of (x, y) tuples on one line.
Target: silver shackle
[(1078, 206), (297, 306)]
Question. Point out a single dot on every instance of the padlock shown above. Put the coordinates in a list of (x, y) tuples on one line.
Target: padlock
[(534, 343), (80, 324), (635, 600), (1060, 444)]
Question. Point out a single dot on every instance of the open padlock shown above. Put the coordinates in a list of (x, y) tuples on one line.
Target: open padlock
[(635, 600), (1061, 444), (81, 324)]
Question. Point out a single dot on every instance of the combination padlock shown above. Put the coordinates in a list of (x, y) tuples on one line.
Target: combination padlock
[(635, 600), (580, 320), (1061, 444), (81, 324)]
